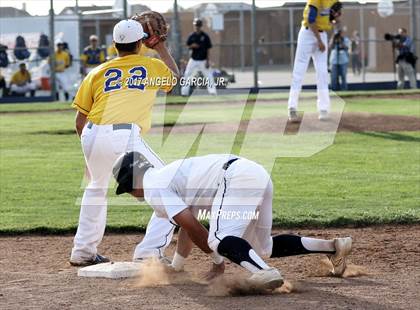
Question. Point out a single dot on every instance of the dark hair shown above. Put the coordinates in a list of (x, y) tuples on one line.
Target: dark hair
[(126, 47)]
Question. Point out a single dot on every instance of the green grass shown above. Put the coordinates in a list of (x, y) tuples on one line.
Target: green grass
[(363, 178)]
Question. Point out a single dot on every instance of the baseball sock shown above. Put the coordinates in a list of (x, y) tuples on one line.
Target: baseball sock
[(288, 245), (240, 252)]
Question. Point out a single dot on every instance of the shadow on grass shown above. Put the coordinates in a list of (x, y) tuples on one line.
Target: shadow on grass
[(55, 132), (340, 222), (390, 136)]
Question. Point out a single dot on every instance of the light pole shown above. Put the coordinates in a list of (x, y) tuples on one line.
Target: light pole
[(52, 52), (254, 44)]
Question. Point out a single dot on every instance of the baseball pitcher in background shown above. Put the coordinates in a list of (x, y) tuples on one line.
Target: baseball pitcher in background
[(114, 105), (318, 18)]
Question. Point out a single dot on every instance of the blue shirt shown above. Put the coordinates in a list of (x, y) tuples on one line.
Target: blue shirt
[(407, 46), (343, 55)]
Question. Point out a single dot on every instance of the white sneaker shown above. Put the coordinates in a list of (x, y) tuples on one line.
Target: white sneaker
[(323, 116), (293, 116), (267, 278), (342, 250)]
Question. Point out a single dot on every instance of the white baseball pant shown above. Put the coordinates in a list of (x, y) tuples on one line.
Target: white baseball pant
[(307, 48), (63, 81), (102, 145), (23, 89), (246, 188), (192, 67)]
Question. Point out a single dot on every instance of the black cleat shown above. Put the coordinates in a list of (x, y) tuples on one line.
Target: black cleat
[(98, 259)]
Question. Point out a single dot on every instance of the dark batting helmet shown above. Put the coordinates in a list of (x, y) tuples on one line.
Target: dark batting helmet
[(128, 166)]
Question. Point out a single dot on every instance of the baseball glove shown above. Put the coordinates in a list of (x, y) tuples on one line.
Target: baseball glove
[(154, 25), (335, 11)]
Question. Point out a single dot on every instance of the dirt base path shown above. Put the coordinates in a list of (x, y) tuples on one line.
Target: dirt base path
[(35, 274), (349, 122)]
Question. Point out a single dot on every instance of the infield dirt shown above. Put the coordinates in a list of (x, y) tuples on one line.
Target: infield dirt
[(384, 274)]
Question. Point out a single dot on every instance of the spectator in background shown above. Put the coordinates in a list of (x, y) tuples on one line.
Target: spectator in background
[(21, 82), (92, 55), (111, 52), (20, 51), (356, 53), (406, 60), (62, 62), (2, 86), (199, 43), (339, 60)]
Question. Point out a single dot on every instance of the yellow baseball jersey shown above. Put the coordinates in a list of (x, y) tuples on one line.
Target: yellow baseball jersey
[(62, 61), (323, 17), (123, 90), (20, 78)]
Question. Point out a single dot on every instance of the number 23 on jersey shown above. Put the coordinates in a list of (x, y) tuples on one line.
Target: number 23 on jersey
[(135, 80)]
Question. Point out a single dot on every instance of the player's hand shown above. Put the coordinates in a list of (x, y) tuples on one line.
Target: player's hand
[(321, 46), (194, 45), (215, 271), (160, 46)]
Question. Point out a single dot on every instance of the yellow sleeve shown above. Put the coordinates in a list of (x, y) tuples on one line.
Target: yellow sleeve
[(84, 97), (315, 3), (163, 72), (102, 56), (83, 57), (14, 78)]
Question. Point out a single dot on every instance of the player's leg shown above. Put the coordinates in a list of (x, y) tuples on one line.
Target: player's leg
[(158, 236), (303, 55), (321, 67), (241, 193), (334, 77), (401, 75), (189, 71), (208, 73), (344, 76), (101, 145), (337, 249), (159, 231), (411, 74), (32, 88)]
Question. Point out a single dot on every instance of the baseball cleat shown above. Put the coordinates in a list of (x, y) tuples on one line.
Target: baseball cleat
[(163, 259), (98, 259), (342, 250), (323, 116), (293, 116), (267, 279)]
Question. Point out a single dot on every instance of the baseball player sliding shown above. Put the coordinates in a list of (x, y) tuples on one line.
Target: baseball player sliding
[(114, 104), (232, 188), (318, 18)]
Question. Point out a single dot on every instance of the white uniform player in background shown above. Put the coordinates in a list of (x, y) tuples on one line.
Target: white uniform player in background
[(63, 79), (239, 195), (313, 43), (200, 44), (114, 106)]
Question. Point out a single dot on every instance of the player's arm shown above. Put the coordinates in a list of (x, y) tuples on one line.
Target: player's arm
[(183, 249), (80, 122), (184, 244), (312, 15), (191, 44), (167, 58), (194, 229), (209, 46), (83, 103)]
